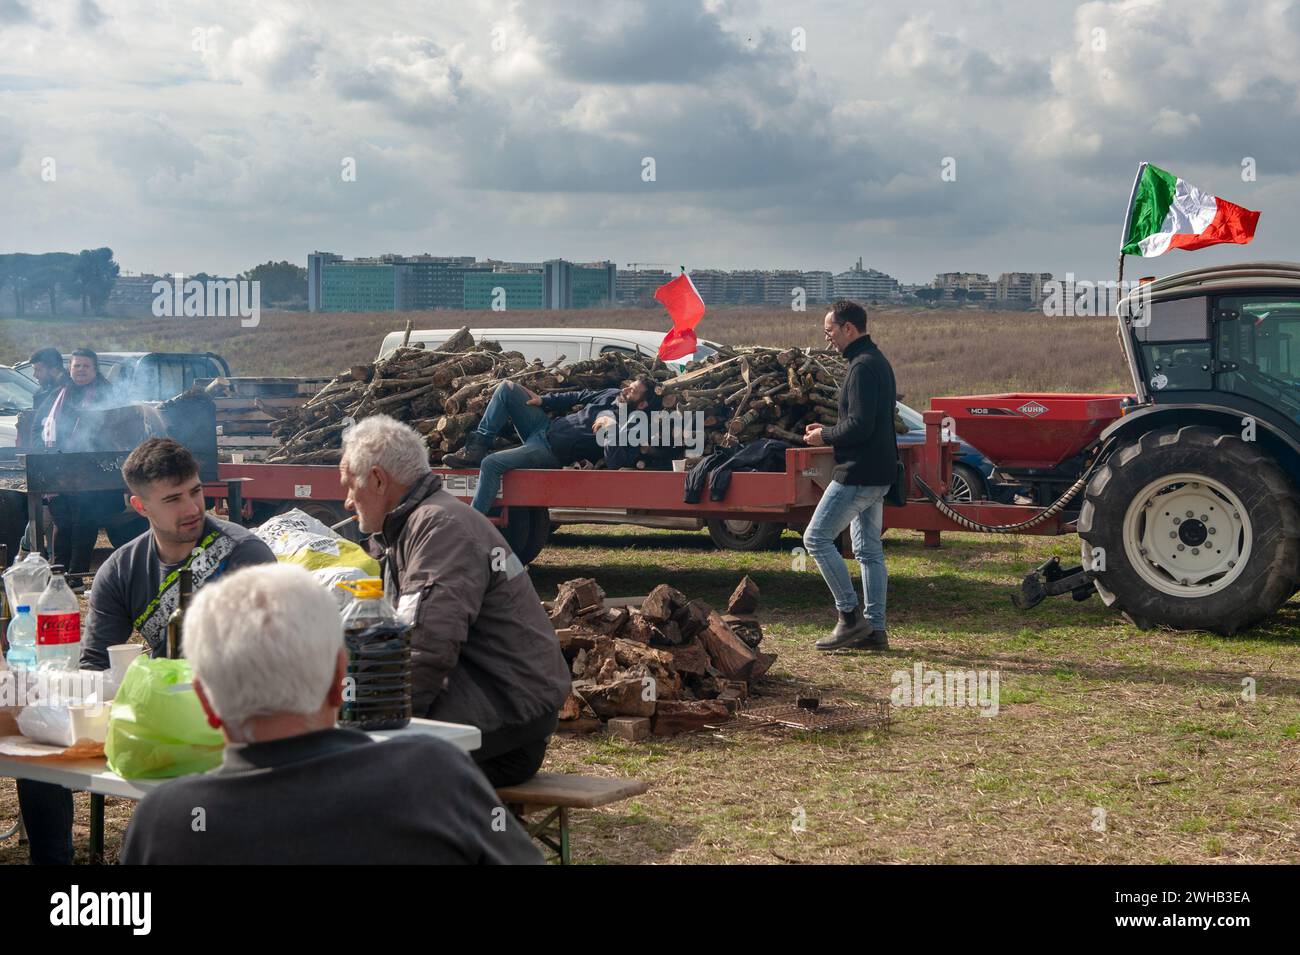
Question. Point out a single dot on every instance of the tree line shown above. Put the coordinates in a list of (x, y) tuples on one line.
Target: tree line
[(88, 276)]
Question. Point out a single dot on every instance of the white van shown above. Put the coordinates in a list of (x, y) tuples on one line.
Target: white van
[(568, 344)]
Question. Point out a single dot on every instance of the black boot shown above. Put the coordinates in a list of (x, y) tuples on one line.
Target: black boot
[(851, 629), (477, 447)]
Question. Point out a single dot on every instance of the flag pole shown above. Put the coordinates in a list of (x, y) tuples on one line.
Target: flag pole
[(1128, 219)]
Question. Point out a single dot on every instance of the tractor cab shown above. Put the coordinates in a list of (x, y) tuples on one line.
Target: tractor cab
[(1227, 336)]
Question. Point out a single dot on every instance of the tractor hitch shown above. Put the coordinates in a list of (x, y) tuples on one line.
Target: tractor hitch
[(1051, 580)]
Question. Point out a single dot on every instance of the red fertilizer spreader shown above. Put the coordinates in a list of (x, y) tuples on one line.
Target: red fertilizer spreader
[(1037, 441)]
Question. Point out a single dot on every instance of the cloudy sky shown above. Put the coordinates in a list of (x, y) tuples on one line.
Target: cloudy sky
[(211, 136)]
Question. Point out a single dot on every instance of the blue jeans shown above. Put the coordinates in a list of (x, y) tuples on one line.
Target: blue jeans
[(862, 506), (509, 405)]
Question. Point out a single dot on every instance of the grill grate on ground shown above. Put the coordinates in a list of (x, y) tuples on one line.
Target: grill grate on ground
[(875, 713)]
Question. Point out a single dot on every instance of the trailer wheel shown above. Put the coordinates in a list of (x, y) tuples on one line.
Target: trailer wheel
[(1192, 529), (526, 530), (967, 485), (745, 535)]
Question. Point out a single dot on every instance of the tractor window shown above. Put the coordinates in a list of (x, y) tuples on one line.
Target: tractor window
[(1263, 342), (1178, 367)]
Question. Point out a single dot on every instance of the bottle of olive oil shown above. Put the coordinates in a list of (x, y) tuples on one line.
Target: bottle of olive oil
[(175, 622)]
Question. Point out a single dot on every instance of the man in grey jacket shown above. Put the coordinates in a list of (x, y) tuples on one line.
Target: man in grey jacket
[(483, 651)]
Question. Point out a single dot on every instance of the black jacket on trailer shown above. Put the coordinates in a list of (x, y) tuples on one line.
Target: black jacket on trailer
[(570, 435), (865, 444)]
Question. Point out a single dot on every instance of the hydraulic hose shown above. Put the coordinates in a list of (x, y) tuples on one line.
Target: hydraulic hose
[(1051, 511)]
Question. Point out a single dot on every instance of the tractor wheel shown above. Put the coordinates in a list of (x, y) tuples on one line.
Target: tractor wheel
[(526, 530), (745, 535), (1192, 529)]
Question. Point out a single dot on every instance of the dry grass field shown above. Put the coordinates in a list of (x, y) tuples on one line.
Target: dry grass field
[(934, 351)]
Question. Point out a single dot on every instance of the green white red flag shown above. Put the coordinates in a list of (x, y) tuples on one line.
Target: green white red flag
[(1166, 212)]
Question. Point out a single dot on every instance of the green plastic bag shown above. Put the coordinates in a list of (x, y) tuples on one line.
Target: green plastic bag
[(157, 728)]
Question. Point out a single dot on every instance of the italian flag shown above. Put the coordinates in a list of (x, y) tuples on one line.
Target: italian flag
[(1166, 212)]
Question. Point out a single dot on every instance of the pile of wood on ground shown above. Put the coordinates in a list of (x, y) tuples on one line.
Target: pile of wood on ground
[(442, 393), (670, 665), (751, 393)]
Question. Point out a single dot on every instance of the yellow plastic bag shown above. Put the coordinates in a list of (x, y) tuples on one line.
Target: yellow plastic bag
[(158, 728)]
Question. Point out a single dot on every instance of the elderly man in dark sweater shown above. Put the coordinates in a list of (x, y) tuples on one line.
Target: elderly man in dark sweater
[(266, 644), (483, 650), (588, 434), (866, 463)]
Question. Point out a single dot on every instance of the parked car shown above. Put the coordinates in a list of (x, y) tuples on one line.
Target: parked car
[(16, 393), (151, 376), (549, 344)]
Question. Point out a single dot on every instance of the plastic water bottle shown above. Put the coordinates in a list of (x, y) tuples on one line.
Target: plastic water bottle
[(22, 640), (58, 625)]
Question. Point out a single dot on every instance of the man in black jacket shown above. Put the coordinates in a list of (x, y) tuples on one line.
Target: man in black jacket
[(866, 461), (588, 434)]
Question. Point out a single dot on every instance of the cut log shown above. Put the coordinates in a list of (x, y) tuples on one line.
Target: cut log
[(624, 697), (630, 728), (693, 618), (690, 658), (744, 599), (762, 665), (747, 628), (732, 657), (586, 592), (661, 603), (608, 622), (688, 716)]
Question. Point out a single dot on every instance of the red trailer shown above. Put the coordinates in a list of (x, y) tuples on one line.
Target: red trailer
[(788, 497)]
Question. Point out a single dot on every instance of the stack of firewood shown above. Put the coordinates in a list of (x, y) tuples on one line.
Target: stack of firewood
[(669, 665), (750, 393), (442, 393)]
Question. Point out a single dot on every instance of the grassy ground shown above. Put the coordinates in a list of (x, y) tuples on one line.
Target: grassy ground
[(1109, 745)]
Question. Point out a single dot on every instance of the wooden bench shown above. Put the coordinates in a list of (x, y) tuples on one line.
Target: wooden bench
[(556, 794)]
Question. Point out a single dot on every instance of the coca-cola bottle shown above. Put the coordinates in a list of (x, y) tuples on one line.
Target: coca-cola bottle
[(58, 625)]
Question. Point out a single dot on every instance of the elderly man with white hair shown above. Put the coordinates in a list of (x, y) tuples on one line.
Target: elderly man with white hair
[(483, 651), (266, 644)]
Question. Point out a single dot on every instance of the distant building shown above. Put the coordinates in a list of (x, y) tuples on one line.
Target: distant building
[(865, 284), (949, 282), (711, 284), (637, 286), (589, 285), (132, 295), (1021, 289), (513, 291), (359, 285), (819, 286), (315, 262)]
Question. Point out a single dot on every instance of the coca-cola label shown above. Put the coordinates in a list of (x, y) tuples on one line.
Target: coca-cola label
[(57, 628)]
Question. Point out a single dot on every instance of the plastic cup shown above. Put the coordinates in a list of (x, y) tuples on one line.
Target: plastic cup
[(120, 657), (89, 721)]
